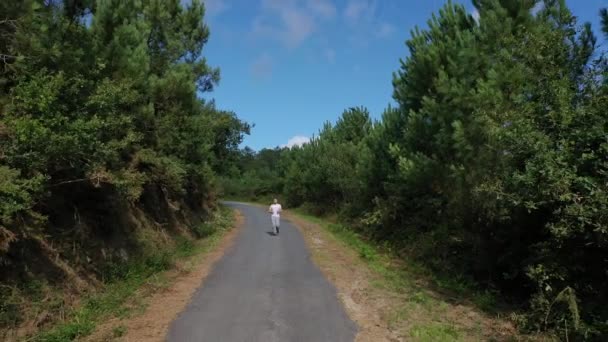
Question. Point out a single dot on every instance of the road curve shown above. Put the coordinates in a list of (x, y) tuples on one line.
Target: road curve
[(264, 289)]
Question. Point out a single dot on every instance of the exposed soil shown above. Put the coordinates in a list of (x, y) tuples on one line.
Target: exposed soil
[(160, 306), (48, 266), (352, 281)]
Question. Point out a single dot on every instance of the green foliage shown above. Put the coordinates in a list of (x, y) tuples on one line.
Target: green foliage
[(255, 175), (434, 332), (567, 296), (220, 221), (491, 167), (101, 108), (494, 155), (105, 93), (203, 230), (16, 193), (9, 306), (184, 247)]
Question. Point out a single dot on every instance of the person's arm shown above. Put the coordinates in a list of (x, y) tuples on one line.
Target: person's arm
[(270, 209)]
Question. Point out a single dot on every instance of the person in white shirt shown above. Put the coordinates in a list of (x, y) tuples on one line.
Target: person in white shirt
[(275, 209)]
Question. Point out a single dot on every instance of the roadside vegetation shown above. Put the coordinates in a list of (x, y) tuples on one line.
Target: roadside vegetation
[(124, 281), (408, 300), (109, 154), (490, 171)]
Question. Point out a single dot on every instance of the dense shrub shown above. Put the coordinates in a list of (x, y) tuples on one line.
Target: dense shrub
[(106, 93)]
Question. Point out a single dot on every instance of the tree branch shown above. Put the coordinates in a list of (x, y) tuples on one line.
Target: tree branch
[(11, 22), (69, 182), (7, 58)]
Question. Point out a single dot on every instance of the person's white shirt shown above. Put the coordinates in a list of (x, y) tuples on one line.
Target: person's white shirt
[(275, 209)]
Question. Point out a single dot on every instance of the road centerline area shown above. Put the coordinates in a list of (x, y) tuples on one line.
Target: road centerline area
[(265, 288)]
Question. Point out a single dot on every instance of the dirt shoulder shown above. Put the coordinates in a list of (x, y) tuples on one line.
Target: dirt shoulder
[(352, 280), (160, 304), (390, 309)]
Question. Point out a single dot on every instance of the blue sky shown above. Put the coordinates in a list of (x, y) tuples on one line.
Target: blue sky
[(287, 66)]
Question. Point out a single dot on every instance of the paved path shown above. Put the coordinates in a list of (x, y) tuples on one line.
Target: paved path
[(264, 289)]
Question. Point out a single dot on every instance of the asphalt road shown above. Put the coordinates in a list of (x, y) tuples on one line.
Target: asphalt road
[(264, 289)]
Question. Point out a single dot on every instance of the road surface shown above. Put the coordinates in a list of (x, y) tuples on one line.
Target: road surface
[(264, 289)]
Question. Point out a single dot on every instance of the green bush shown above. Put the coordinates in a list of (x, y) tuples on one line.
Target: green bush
[(10, 313), (104, 104), (203, 230)]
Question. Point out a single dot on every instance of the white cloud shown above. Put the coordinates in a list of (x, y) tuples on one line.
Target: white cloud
[(324, 8), (538, 7), (291, 22), (385, 30), (475, 14), (365, 23), (261, 68), (215, 7), (357, 10), (298, 140), (354, 9)]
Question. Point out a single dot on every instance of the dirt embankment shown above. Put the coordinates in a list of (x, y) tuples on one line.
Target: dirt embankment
[(352, 281), (165, 304), (89, 233)]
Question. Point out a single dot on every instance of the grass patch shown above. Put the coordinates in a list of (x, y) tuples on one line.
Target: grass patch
[(185, 247), (380, 262), (434, 332), (9, 306), (122, 281), (119, 331), (204, 230)]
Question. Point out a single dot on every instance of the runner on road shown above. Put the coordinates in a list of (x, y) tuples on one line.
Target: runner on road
[(275, 209)]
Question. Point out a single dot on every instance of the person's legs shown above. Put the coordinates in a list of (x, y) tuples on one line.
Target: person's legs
[(278, 224), (275, 224)]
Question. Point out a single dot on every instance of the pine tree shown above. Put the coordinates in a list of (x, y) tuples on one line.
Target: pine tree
[(106, 94)]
